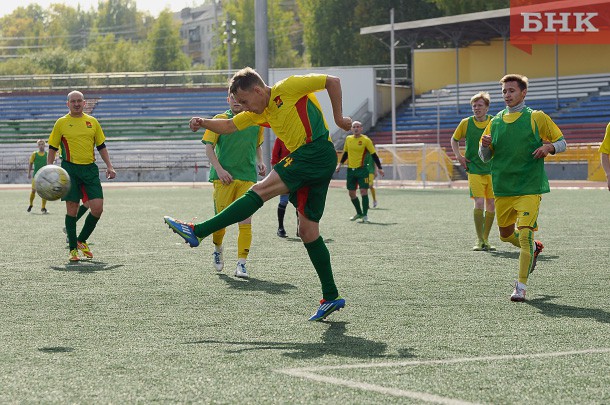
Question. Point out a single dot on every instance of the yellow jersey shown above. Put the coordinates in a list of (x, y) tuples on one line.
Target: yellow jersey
[(77, 136)]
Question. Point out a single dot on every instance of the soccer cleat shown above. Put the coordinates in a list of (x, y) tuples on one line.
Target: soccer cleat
[(30, 208), (44, 210), (84, 249), (364, 220), (219, 261), (537, 250), (281, 232), (326, 308), (240, 270), (375, 204), (488, 248), (74, 255), (355, 217), (518, 294), (479, 247), (184, 229)]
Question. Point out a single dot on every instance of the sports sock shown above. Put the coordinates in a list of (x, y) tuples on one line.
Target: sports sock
[(320, 258), (373, 193), (514, 239), (218, 236), (489, 221), (526, 255), (88, 227), (70, 223), (81, 211), (479, 222), (356, 203), (44, 204), (240, 209), (365, 204), (32, 195), (244, 240), (281, 211)]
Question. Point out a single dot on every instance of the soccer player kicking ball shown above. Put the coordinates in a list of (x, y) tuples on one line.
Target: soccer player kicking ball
[(291, 109), (513, 142)]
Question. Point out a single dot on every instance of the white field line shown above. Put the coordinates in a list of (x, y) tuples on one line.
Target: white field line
[(311, 373)]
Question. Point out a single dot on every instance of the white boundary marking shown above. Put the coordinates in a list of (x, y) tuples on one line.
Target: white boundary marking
[(310, 373)]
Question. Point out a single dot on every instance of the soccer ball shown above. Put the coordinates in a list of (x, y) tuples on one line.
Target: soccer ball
[(52, 182)]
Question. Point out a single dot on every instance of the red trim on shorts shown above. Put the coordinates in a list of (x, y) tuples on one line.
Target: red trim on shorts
[(85, 196), (302, 195), (301, 106)]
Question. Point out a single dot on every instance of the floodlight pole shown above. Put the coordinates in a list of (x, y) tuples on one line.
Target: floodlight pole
[(393, 76)]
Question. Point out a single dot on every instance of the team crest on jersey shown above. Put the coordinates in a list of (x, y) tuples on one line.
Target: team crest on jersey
[(278, 102), (359, 143), (88, 124)]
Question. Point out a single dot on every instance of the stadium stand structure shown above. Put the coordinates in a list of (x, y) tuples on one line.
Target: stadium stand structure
[(582, 111), (146, 129)]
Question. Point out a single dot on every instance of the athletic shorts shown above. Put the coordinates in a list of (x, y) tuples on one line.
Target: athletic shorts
[(358, 177), (225, 194), (480, 186), (522, 210), (85, 182), (307, 173)]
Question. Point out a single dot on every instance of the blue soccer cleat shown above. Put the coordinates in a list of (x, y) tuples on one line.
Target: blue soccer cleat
[(184, 229), (326, 308)]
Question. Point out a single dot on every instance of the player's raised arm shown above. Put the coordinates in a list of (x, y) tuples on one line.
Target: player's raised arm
[(218, 125), (333, 87)]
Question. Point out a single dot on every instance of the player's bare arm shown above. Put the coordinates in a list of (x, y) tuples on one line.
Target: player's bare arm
[(218, 125), (223, 175), (333, 87)]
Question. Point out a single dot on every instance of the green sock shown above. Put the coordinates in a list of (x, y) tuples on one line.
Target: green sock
[(240, 209), (489, 221), (320, 258), (365, 204), (90, 223), (70, 223), (479, 221), (356, 203), (81, 211)]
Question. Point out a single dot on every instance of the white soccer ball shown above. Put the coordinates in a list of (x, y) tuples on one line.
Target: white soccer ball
[(52, 182)]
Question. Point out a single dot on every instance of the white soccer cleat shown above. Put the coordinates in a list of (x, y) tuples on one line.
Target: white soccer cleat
[(518, 294), (364, 219), (240, 270), (219, 262)]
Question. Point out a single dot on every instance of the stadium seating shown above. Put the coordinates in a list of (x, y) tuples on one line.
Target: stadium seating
[(581, 110)]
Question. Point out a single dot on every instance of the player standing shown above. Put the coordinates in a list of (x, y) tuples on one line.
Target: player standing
[(513, 141), (479, 175), (291, 109), (78, 133), (38, 159), (235, 159), (354, 151)]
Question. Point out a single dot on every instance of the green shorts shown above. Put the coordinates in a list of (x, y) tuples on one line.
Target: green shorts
[(307, 173), (85, 182), (358, 177)]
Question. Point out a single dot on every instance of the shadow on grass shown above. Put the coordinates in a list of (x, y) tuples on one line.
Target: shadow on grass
[(334, 342), (254, 284), (553, 310), (514, 254), (378, 223), (86, 266), (56, 349), (297, 239)]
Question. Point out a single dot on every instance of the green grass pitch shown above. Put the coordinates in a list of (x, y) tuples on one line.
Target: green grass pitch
[(427, 320)]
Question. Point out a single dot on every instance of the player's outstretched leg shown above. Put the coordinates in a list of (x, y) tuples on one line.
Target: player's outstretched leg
[(185, 229)]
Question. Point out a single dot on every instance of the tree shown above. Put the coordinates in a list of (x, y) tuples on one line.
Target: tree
[(452, 7), (165, 45), (121, 18)]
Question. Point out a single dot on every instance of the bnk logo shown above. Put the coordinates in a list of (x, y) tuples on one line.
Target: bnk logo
[(559, 22)]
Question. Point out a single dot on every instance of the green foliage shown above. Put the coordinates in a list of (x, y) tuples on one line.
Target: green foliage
[(165, 45), (452, 7), (106, 54)]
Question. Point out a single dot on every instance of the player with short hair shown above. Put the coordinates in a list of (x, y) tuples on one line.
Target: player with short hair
[(355, 148), (236, 160), (78, 133), (292, 111), (604, 152), (38, 159), (479, 175), (516, 141)]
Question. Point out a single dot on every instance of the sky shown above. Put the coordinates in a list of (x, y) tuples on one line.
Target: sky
[(152, 6)]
